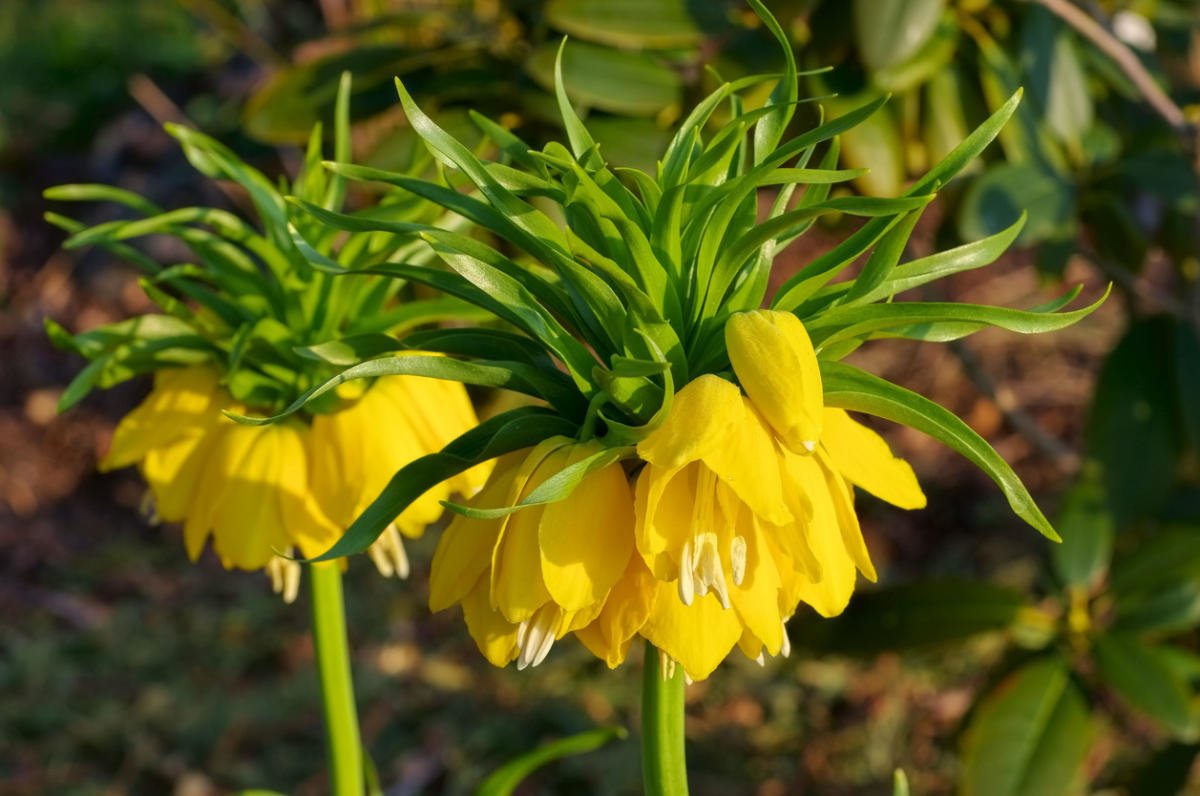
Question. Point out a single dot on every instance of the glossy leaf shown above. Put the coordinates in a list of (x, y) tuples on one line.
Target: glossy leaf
[(617, 81), (628, 24), (888, 31), (1132, 429), (1087, 530), (1145, 678), (910, 616), (1029, 736), (1004, 192)]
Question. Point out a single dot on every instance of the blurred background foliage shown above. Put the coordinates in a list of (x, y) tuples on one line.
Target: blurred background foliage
[(994, 666)]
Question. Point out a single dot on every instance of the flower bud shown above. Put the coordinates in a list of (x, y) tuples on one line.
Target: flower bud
[(777, 367)]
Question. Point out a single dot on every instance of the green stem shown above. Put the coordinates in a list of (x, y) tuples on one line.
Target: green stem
[(337, 687), (664, 761)]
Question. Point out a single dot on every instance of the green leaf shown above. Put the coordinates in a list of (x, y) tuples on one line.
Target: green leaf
[(799, 287), (505, 779), (1029, 736), (1087, 529), (918, 272), (910, 616), (90, 192), (934, 320), (1132, 428), (506, 432), (782, 99), (883, 259), (617, 81), (1167, 556), (874, 145), (1167, 771), (555, 488), (1187, 377), (627, 24), (900, 783), (888, 31), (849, 388), (1171, 608), (508, 375), (926, 62), (1055, 76), (1145, 678), (1007, 191)]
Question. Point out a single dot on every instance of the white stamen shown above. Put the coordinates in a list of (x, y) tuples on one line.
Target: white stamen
[(666, 665), (761, 660), (687, 582), (785, 648), (535, 636), (687, 679), (285, 577), (737, 559), (710, 574), (809, 445), (388, 553)]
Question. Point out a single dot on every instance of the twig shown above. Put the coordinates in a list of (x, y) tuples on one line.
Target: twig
[(237, 32), (1115, 49), (163, 110), (1067, 459)]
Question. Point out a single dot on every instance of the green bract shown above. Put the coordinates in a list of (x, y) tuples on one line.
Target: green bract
[(623, 281), (251, 303)]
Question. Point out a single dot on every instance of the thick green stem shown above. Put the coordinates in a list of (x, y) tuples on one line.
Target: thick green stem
[(664, 761), (337, 687)]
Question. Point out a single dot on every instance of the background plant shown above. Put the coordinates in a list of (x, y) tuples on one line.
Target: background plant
[(87, 600)]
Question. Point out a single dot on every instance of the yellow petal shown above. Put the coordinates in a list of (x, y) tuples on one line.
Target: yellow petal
[(517, 586), (172, 471), (306, 525), (664, 502), (698, 636), (586, 539), (756, 600), (464, 550), (182, 402), (862, 456), (626, 609), (246, 523), (748, 462), (828, 593), (496, 638), (518, 589), (774, 360), (843, 504), (701, 418)]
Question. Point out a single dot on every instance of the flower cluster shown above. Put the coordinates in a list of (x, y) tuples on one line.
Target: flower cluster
[(688, 475), (243, 330), (259, 491), (741, 508)]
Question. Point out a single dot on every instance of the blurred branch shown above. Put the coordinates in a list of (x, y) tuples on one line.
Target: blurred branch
[(163, 110), (236, 31), (1142, 289), (1064, 456), (1125, 58)]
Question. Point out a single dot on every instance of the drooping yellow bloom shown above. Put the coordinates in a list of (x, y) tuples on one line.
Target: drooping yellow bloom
[(743, 508), (262, 490), (526, 579)]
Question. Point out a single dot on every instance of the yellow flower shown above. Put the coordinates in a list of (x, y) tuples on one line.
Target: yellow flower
[(259, 490), (528, 578), (743, 509)]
